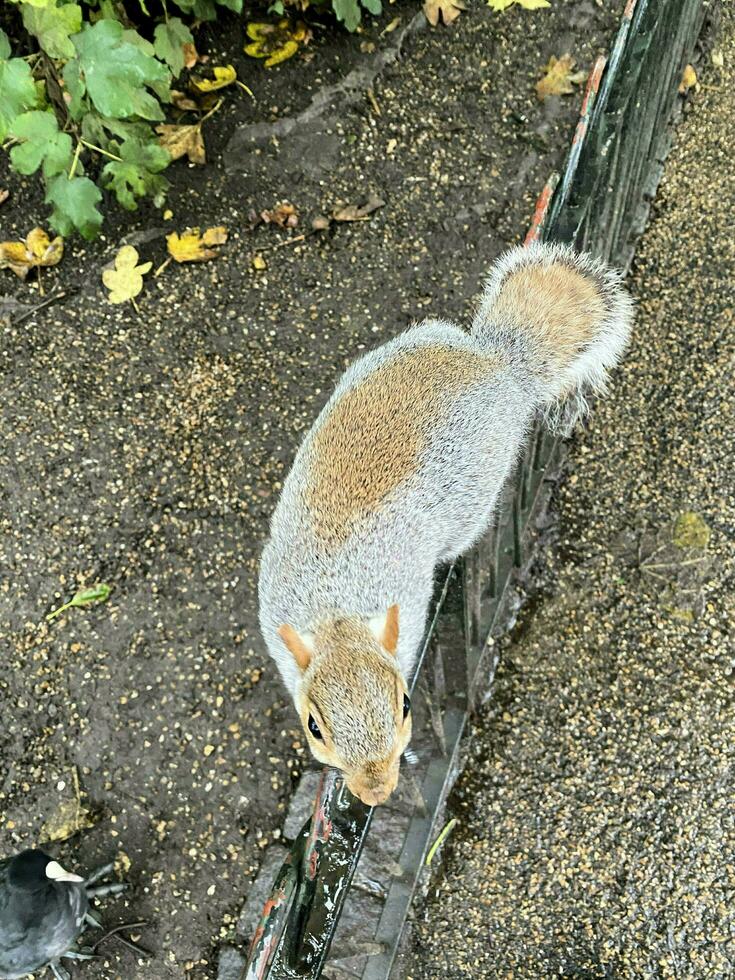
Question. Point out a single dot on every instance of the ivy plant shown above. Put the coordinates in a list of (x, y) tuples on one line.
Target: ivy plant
[(80, 109)]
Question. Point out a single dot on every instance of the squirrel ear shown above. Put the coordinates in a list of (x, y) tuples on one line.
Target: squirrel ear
[(301, 647), (385, 629)]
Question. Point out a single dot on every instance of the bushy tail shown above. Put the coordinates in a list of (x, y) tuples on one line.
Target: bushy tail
[(564, 315)]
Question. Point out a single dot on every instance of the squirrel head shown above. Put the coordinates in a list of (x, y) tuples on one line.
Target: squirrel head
[(353, 700)]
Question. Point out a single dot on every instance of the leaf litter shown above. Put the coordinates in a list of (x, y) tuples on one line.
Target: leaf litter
[(445, 10), (195, 246), (125, 280), (559, 78), (37, 251)]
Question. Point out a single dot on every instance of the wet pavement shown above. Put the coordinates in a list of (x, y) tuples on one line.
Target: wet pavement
[(596, 824)]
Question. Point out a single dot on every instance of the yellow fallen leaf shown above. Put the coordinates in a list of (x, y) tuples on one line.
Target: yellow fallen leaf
[(688, 79), (389, 28), (183, 141), (122, 864), (559, 77), (69, 819), (259, 263), (36, 251), (125, 281), (691, 531), (287, 50), (447, 10), (168, 214), (275, 42), (526, 4), (191, 246), (222, 77)]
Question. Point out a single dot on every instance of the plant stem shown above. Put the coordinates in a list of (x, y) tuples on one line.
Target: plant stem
[(244, 86), (211, 112), (75, 161), (98, 149), (58, 611)]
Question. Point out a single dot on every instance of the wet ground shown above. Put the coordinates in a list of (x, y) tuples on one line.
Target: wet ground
[(145, 449), (596, 828)]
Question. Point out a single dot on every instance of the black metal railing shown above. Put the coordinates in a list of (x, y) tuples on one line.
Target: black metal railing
[(598, 204)]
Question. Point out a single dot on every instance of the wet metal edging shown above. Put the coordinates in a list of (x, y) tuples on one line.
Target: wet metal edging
[(600, 204)]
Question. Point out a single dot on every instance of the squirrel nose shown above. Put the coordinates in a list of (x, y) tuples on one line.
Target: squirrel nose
[(373, 790), (374, 797)]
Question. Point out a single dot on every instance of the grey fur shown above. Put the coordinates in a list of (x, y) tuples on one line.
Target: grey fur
[(442, 508)]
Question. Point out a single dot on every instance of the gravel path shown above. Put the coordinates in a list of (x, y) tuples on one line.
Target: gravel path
[(596, 824)]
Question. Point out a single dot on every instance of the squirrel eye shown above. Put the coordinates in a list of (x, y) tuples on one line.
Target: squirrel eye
[(406, 705), (314, 728)]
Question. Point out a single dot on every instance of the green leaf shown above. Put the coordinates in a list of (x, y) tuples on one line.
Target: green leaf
[(79, 106), (235, 5), (137, 173), (373, 6), (161, 86), (75, 205), (200, 9), (169, 41), (17, 91), (97, 593), (96, 129), (52, 26), (116, 71), (43, 143), (349, 12)]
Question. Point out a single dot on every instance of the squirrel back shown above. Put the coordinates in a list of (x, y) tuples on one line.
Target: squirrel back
[(401, 471)]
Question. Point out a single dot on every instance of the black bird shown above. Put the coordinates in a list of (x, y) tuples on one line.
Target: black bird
[(43, 909)]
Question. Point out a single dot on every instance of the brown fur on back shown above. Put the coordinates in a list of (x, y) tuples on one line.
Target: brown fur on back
[(558, 305), (372, 439)]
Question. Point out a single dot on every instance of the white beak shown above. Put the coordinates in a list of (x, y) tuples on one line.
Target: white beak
[(55, 872)]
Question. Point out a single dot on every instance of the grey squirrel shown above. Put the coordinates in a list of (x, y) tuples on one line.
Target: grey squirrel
[(400, 472)]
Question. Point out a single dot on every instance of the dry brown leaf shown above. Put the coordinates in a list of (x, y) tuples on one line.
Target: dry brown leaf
[(183, 141), (191, 55), (354, 212), (4, 195), (446, 10), (283, 214), (688, 79), (321, 223), (191, 246), (182, 101), (559, 77), (36, 251)]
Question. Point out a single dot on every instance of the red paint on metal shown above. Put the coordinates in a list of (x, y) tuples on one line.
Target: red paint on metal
[(593, 84), (542, 206)]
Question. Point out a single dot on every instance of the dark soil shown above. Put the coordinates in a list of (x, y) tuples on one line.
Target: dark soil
[(146, 449)]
